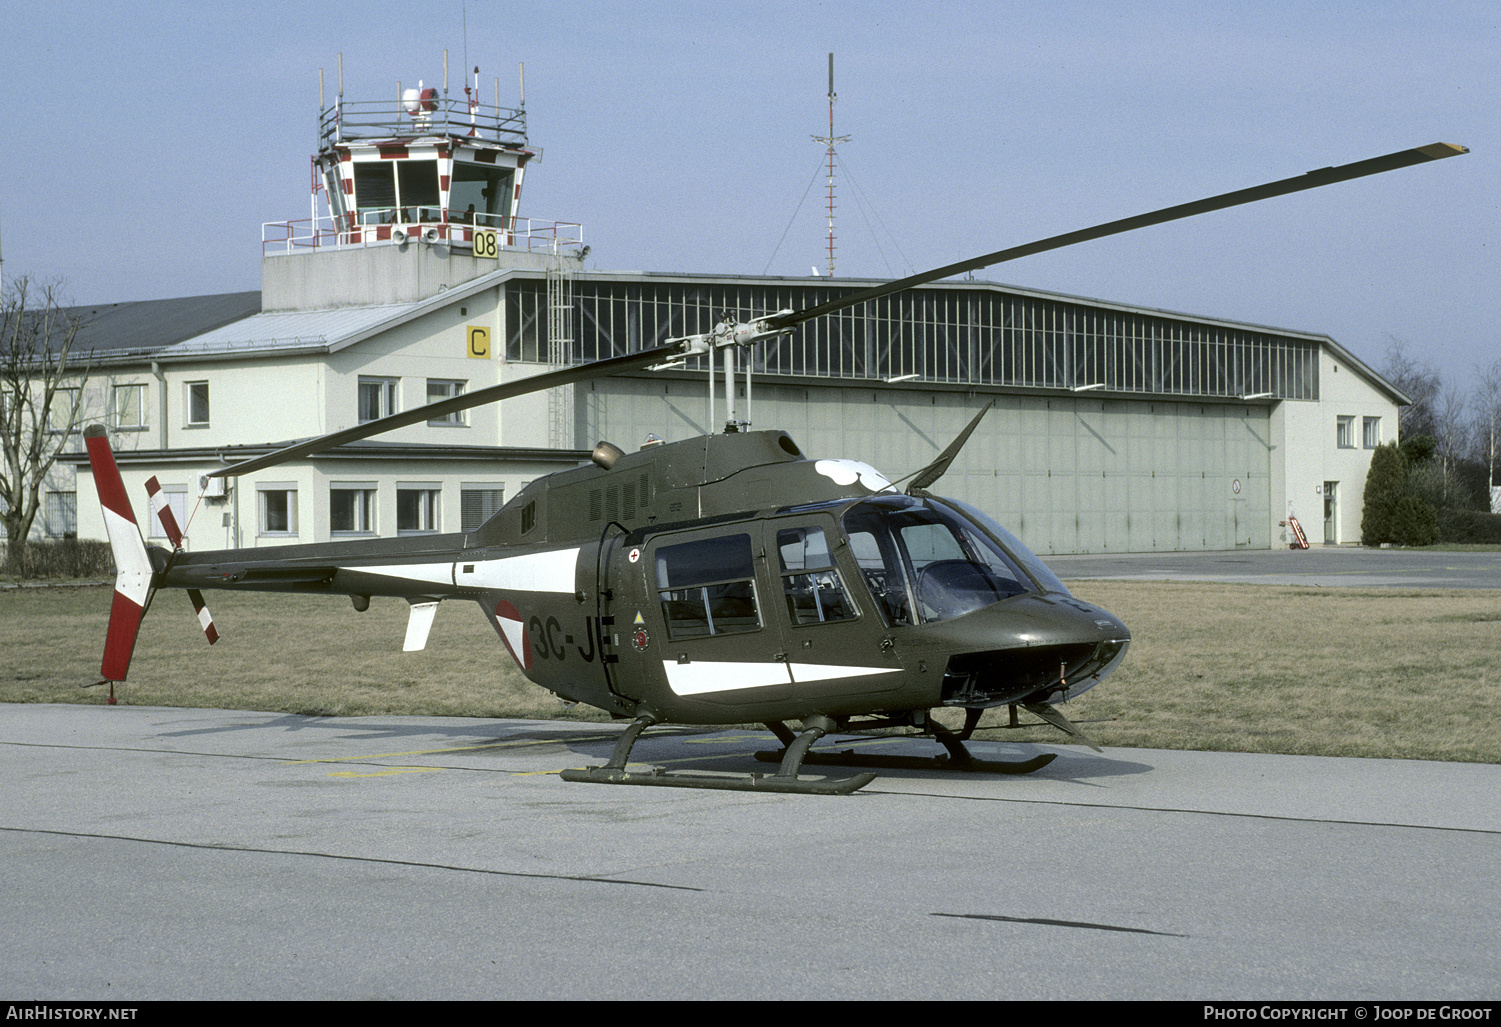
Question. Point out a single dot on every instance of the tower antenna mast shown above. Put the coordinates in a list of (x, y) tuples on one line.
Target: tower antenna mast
[(830, 140)]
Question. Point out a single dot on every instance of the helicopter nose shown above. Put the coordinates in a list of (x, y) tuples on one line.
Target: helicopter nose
[(1031, 648)]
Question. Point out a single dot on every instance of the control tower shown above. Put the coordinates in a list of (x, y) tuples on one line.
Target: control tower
[(420, 192)]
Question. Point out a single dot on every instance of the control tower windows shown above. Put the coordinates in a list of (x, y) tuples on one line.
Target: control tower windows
[(406, 191), (418, 196), (480, 195), (374, 192)]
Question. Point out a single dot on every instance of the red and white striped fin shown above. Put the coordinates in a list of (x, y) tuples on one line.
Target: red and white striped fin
[(205, 619), (164, 512), (132, 564)]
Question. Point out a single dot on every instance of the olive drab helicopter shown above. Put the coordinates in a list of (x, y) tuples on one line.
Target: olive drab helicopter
[(723, 579)]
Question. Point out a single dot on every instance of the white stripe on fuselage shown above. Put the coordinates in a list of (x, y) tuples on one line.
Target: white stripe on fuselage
[(700, 677), (530, 572)]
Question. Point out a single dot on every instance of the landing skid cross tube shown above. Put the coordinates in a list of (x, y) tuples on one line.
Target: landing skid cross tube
[(784, 780), (958, 757)]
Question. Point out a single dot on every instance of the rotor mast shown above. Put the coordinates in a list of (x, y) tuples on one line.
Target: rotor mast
[(830, 140)]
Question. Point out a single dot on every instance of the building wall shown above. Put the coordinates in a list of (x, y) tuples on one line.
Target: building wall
[(213, 522), (1311, 456), (434, 346), (375, 275)]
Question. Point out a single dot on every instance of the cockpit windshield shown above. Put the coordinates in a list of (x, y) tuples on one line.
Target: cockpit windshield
[(926, 560), (1015, 546)]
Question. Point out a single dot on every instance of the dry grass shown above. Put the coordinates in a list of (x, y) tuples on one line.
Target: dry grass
[(1340, 672), (295, 654), (1335, 672)]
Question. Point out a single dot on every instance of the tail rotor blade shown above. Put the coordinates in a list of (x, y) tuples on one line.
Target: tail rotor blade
[(205, 619), (169, 524), (164, 512)]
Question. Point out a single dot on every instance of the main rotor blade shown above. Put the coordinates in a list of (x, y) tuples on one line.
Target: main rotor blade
[(935, 470), (493, 394), (1312, 180)]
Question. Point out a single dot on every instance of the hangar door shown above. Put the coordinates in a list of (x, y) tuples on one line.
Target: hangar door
[(1067, 474), (1139, 477)]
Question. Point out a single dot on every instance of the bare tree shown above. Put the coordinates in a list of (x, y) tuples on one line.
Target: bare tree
[(41, 396), (1422, 384), (1452, 430), (1487, 404)]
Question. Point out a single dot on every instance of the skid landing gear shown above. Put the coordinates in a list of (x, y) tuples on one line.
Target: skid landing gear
[(957, 758), (786, 778)]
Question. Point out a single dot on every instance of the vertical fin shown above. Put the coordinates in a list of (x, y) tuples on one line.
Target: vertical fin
[(133, 574)]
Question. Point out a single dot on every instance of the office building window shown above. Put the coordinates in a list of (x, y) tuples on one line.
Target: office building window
[(1344, 435), (197, 403), (478, 503), (60, 516), (277, 510), (177, 501), (64, 403), (377, 398), (417, 509), (128, 405), (440, 389), (351, 508)]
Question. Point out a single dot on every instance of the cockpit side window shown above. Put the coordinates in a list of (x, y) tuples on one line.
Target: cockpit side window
[(880, 566), (934, 564), (708, 587), (811, 585)]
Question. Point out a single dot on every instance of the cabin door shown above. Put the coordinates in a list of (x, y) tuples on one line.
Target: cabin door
[(832, 643), (708, 619)]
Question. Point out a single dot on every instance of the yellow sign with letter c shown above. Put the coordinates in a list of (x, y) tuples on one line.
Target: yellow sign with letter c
[(479, 342)]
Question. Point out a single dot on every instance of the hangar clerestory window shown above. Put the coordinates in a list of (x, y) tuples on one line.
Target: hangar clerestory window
[(974, 336)]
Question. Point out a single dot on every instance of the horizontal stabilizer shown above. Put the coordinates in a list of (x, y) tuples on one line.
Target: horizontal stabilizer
[(418, 625)]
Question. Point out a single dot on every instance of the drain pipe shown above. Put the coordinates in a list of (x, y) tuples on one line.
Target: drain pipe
[(161, 402)]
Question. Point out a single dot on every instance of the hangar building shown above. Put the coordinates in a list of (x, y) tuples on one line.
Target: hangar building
[(1114, 428)]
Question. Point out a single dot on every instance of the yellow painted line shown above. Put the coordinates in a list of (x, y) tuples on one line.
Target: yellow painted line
[(457, 748), (386, 773), (724, 740), (732, 755), (568, 740)]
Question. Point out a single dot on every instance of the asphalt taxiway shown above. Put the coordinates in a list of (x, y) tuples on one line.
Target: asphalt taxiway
[(1320, 566), (156, 853)]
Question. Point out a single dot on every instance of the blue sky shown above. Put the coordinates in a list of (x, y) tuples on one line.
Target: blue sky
[(148, 142)]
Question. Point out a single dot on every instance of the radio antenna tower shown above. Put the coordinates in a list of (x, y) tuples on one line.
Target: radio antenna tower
[(830, 140)]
